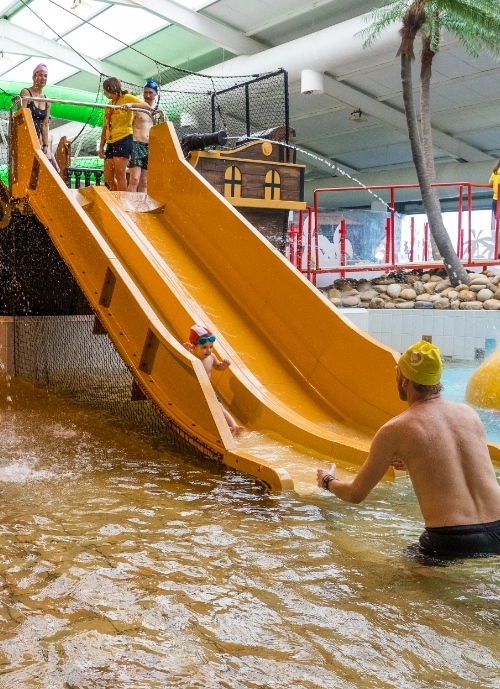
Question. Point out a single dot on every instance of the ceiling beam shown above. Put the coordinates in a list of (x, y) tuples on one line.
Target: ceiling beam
[(19, 41), (224, 36), (385, 113)]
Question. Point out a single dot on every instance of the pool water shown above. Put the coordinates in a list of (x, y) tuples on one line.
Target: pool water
[(455, 378), (124, 566)]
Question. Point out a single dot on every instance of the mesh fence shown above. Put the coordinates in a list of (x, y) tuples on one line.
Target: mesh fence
[(72, 358), (193, 102)]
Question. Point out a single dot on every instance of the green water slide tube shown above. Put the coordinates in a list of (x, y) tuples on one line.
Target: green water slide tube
[(76, 113)]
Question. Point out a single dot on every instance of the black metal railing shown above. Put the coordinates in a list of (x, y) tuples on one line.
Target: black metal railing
[(74, 177)]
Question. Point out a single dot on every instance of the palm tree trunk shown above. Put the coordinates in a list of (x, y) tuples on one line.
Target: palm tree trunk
[(452, 264), (425, 122)]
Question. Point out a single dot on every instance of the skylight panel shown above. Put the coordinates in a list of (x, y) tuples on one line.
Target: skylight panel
[(8, 66), (125, 23), (195, 4), (5, 4), (129, 24), (24, 71), (91, 42), (59, 21)]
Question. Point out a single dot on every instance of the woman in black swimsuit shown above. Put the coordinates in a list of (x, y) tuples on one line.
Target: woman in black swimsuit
[(40, 110)]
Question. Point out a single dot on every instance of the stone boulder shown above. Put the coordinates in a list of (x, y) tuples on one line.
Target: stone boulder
[(350, 301), (337, 301), (441, 286), (429, 287), (455, 304), (479, 280), (496, 295), (422, 304), (333, 293), (368, 295), (467, 295), (405, 305), (425, 277), (471, 305), (389, 305), (491, 304), (408, 294), (484, 294), (423, 297), (378, 303), (442, 303), (394, 290)]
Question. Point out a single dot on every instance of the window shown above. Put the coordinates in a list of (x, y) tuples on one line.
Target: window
[(232, 183), (272, 186)]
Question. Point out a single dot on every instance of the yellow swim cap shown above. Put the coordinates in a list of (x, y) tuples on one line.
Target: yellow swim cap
[(421, 363)]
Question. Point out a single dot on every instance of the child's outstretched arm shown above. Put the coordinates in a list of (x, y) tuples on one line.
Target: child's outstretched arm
[(221, 365)]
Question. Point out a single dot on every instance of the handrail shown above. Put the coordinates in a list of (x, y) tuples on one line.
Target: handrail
[(83, 103), (465, 189)]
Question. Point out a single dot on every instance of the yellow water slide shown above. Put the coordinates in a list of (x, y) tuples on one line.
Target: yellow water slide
[(151, 265)]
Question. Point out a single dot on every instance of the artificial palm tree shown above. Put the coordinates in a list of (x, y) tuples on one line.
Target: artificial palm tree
[(473, 22)]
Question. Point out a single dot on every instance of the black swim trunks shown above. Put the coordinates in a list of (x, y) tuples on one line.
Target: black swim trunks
[(462, 541), (139, 157), (121, 148)]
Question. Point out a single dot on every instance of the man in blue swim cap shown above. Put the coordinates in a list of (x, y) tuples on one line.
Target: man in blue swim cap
[(138, 166)]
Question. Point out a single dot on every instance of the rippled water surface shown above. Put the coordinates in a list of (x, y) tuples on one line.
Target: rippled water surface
[(128, 566)]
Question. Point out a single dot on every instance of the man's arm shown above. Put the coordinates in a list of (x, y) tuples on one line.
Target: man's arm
[(382, 451)]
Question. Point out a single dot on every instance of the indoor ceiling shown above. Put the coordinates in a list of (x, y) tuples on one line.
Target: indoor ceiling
[(197, 35)]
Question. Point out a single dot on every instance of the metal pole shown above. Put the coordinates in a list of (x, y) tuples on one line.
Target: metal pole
[(412, 237), (309, 241), (342, 246), (87, 105), (393, 228), (388, 240)]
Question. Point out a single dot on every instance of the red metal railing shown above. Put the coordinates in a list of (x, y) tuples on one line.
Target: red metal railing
[(309, 223)]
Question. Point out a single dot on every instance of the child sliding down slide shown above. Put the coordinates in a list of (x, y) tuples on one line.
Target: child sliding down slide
[(200, 345)]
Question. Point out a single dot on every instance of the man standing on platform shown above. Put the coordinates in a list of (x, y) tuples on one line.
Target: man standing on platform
[(138, 166), (443, 446)]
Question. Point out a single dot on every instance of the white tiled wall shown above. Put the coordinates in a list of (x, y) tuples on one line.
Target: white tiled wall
[(457, 333)]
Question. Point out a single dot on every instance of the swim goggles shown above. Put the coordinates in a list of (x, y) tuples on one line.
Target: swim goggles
[(204, 339)]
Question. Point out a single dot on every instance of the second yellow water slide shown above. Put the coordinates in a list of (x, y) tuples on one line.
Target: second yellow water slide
[(151, 265)]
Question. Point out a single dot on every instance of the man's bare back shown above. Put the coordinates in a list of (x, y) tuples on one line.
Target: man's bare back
[(443, 446)]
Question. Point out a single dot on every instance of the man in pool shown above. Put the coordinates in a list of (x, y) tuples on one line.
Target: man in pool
[(443, 446)]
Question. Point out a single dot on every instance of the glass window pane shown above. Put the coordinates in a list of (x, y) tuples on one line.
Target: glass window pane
[(126, 23), (57, 18), (24, 71)]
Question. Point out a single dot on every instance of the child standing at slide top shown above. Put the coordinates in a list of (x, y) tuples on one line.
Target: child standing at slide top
[(200, 345)]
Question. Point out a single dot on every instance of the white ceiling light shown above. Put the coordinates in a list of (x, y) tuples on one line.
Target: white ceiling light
[(311, 82), (79, 3)]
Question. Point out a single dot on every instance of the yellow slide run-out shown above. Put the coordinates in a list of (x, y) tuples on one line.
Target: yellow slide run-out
[(151, 266)]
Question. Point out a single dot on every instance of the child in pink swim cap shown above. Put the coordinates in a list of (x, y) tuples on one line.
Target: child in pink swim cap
[(200, 344)]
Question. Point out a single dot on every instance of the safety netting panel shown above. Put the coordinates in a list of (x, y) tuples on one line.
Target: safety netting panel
[(195, 104), (73, 357)]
